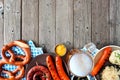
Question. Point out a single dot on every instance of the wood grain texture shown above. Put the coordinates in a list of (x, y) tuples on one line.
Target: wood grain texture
[(30, 20), (82, 22), (100, 22), (113, 18), (64, 22), (72, 22), (12, 20), (1, 24), (47, 24), (117, 34)]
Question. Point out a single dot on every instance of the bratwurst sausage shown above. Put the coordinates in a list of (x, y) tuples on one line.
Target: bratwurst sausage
[(52, 68), (42, 71), (60, 69)]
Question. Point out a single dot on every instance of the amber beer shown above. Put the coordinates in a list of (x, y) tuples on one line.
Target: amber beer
[(80, 64)]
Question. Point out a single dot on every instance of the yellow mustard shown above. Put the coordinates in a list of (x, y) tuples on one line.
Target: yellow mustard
[(60, 50)]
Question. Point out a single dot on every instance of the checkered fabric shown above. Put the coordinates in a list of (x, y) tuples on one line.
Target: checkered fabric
[(91, 47), (34, 51)]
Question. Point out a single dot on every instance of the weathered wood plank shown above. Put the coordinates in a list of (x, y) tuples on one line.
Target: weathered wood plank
[(113, 19), (82, 22), (47, 24), (12, 20), (100, 22), (1, 24), (30, 20), (64, 22), (117, 35)]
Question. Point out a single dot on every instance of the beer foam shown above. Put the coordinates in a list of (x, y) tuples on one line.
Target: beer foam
[(80, 64)]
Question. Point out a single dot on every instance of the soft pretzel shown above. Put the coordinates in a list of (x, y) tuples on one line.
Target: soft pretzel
[(12, 60), (18, 60), (13, 75)]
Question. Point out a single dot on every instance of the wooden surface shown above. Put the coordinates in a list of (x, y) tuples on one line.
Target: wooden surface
[(49, 22)]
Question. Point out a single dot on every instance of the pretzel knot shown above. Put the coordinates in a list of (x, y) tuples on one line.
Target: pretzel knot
[(13, 59)]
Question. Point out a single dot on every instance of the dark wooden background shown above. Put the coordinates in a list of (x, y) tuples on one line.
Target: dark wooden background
[(49, 22)]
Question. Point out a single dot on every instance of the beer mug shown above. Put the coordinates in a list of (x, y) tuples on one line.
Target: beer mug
[(81, 61)]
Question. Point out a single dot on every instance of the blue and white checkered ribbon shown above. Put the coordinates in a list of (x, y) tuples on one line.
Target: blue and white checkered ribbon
[(91, 47), (34, 52)]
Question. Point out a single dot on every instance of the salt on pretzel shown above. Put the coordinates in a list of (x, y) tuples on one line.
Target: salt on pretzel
[(12, 59)]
